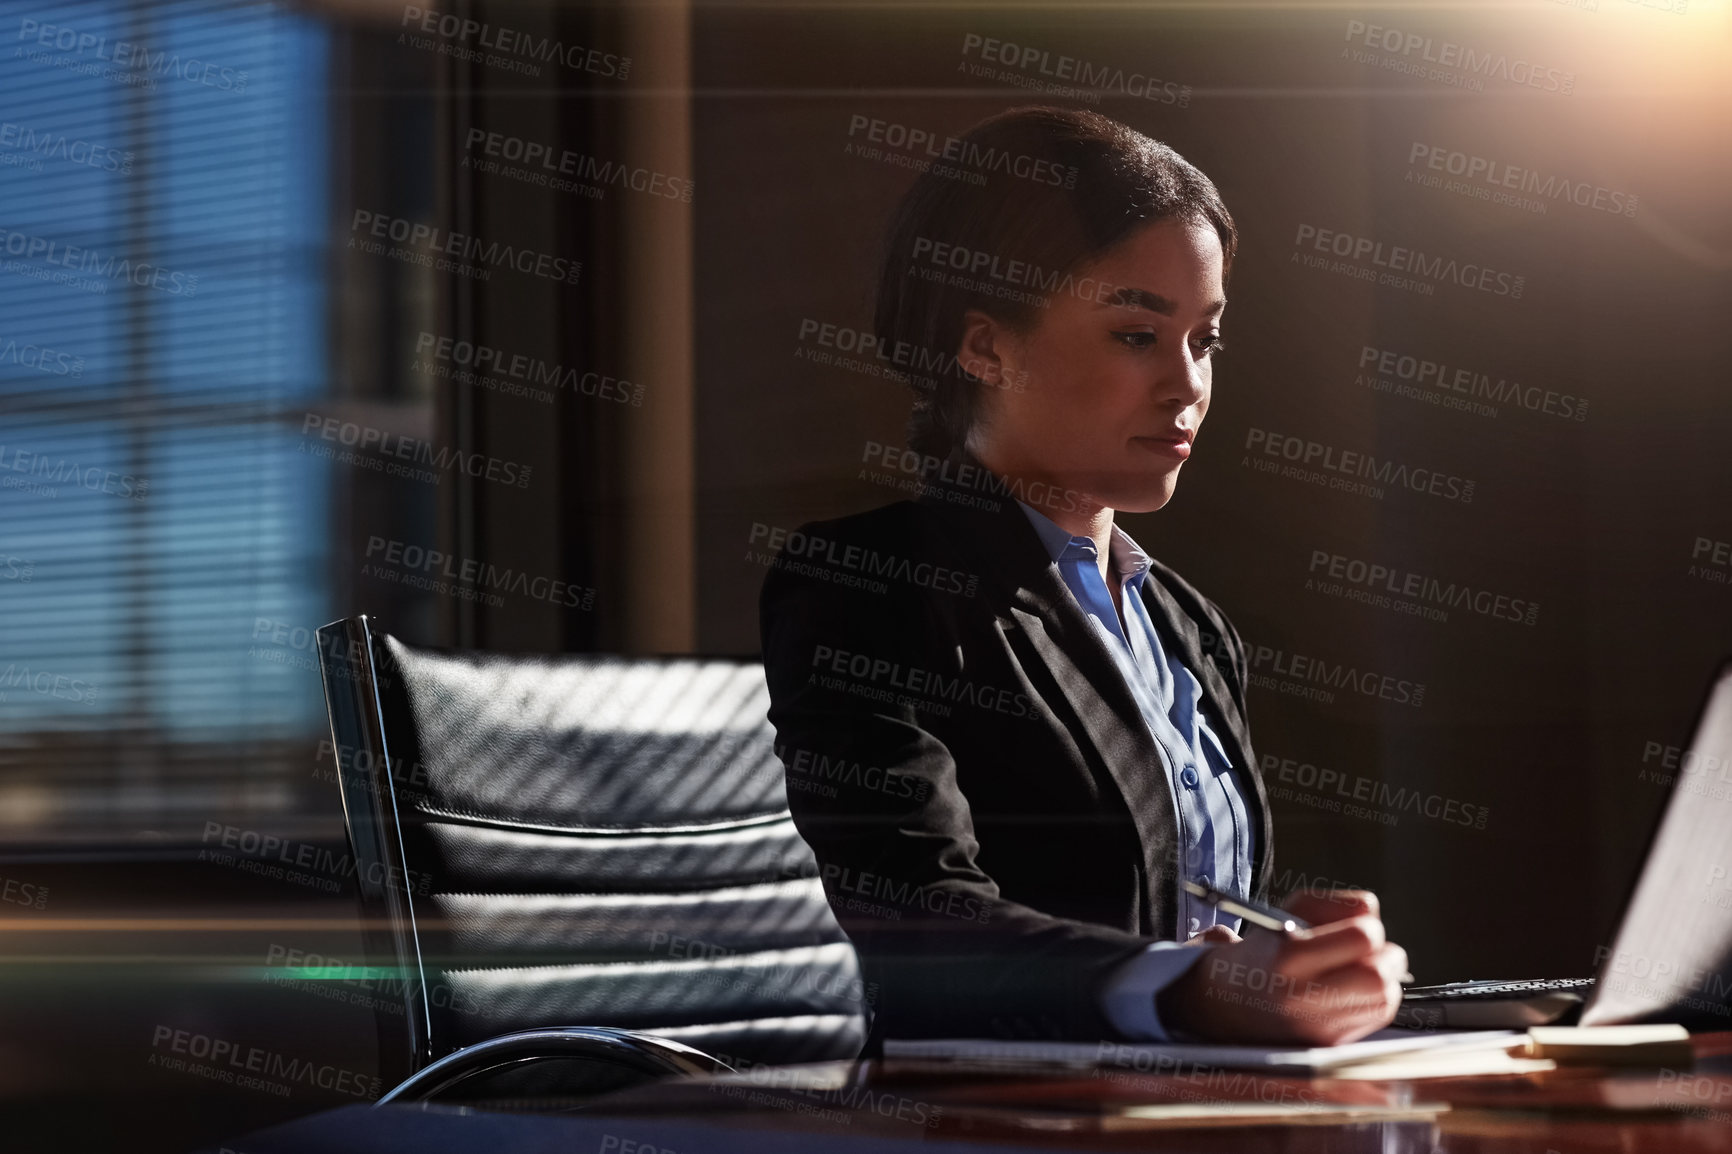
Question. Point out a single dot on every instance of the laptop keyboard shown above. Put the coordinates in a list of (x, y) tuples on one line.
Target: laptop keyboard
[(1486, 991)]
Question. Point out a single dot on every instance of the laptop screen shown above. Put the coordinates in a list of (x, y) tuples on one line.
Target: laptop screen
[(1672, 957)]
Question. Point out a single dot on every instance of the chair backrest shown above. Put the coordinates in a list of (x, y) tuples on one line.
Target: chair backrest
[(586, 841)]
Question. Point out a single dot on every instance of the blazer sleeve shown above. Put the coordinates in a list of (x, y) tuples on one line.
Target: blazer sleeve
[(874, 793)]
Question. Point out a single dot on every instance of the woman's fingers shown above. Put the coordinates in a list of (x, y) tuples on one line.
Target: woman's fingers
[(1392, 964), (1308, 953), (1356, 985), (1340, 1017), (1360, 991), (1212, 936), (1321, 906), (1335, 982)]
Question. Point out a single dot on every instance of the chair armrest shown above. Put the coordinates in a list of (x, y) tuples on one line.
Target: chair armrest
[(644, 1053)]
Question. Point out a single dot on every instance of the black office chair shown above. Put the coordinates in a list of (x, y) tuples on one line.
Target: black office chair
[(585, 859)]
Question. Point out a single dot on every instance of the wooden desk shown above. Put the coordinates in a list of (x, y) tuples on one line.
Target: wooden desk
[(1566, 1110)]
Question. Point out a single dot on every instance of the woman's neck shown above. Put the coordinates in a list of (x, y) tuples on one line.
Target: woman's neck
[(1085, 519)]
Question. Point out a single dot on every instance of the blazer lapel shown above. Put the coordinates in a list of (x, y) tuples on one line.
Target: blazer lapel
[(1095, 689), (1057, 635), (1179, 630)]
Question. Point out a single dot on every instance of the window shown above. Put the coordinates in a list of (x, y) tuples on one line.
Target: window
[(166, 321)]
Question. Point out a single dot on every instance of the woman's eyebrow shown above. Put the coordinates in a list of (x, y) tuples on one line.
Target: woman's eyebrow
[(1136, 298)]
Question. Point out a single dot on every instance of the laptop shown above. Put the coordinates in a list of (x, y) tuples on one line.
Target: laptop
[(1671, 958)]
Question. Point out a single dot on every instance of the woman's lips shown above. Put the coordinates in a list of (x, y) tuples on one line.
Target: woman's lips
[(1177, 444)]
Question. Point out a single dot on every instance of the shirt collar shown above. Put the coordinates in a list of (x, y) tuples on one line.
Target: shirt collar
[(1124, 556)]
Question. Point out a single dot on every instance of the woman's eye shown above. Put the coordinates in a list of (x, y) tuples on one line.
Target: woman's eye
[(1207, 346)]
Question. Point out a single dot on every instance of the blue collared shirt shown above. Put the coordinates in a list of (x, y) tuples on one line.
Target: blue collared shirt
[(1217, 841)]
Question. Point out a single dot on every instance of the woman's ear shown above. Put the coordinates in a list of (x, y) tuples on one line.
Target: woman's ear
[(985, 344)]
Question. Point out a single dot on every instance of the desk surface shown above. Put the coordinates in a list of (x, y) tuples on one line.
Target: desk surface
[(887, 1105), (1572, 1108)]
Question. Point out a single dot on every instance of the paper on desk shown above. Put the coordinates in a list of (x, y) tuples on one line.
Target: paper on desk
[(1659, 1044), (1411, 1067), (1193, 1115), (1159, 1057)]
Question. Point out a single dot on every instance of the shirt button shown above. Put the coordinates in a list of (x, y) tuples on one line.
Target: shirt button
[(1196, 925), (1206, 880), (1189, 777)]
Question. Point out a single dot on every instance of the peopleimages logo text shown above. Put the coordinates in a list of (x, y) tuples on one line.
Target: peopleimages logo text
[(1472, 383), (1485, 65), (821, 767), (967, 154), (1413, 262), (470, 248), (860, 559), (69, 149), (906, 894), (129, 55), (913, 679), (60, 471), (993, 267), (483, 360), (389, 444), (515, 42), (552, 161), (79, 259), (954, 477), (59, 686), (1365, 466), (1265, 661), (275, 853), (901, 361), (1070, 70), (467, 571), (1357, 787), (1500, 176), (234, 1059), (1422, 587)]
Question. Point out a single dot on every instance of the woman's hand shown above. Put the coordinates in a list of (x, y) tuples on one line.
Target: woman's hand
[(1335, 982)]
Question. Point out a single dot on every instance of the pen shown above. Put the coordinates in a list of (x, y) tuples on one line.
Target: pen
[(1256, 913)]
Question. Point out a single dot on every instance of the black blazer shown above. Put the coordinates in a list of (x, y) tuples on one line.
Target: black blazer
[(991, 818)]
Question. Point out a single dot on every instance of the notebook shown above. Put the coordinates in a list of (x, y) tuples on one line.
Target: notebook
[(1172, 1057)]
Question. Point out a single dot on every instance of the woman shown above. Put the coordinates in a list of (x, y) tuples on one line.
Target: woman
[(1008, 732)]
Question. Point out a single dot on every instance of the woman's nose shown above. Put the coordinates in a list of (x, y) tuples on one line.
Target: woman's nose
[(1183, 379)]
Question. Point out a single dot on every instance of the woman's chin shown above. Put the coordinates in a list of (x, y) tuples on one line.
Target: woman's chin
[(1138, 491)]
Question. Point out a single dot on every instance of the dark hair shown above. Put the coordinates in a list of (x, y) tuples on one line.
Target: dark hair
[(1061, 187)]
